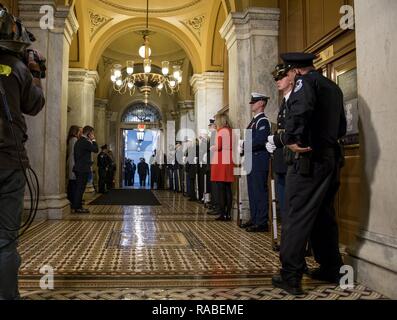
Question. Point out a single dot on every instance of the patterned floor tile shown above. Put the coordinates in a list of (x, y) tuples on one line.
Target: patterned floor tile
[(174, 251)]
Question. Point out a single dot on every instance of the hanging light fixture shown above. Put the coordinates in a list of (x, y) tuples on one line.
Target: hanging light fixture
[(147, 80)]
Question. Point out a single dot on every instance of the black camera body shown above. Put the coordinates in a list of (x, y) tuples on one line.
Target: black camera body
[(32, 55)]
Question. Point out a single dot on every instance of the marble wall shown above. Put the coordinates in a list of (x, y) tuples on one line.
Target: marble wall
[(47, 131), (374, 256), (252, 42), (208, 97)]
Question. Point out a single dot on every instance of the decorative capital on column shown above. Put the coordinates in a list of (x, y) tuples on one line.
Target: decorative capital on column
[(101, 103), (252, 22), (109, 115), (65, 20), (207, 80), (84, 76)]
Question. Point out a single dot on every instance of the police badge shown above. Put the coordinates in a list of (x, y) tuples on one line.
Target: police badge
[(298, 86)]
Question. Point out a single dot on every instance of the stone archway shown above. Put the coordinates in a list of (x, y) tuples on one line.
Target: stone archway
[(134, 114)]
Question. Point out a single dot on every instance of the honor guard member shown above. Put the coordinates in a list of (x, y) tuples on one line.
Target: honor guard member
[(258, 177), (315, 122), (103, 163), (285, 85)]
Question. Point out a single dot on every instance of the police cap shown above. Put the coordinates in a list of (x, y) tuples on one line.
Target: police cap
[(298, 59), (104, 147), (255, 97), (280, 72)]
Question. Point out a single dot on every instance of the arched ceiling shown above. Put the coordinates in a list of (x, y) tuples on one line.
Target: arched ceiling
[(129, 43)]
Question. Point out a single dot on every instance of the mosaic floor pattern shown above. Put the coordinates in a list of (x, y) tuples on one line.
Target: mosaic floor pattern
[(174, 251)]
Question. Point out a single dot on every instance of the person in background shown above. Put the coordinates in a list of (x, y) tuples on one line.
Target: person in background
[(222, 167), (111, 172), (257, 179), (280, 168), (83, 150), (104, 162), (214, 206), (143, 172), (133, 171), (75, 133)]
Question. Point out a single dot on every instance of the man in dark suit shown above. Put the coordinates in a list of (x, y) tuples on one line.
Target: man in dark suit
[(143, 172), (82, 168)]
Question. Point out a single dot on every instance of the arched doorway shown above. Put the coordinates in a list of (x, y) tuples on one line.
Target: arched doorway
[(140, 137)]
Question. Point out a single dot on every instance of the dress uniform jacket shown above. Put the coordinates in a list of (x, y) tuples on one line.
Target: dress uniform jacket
[(279, 164), (260, 127), (317, 118)]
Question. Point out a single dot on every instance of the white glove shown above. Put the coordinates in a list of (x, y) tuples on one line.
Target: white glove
[(270, 148), (270, 139)]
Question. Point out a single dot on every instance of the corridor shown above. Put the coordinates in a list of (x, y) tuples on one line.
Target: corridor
[(172, 251)]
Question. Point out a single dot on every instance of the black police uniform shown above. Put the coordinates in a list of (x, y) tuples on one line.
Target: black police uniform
[(258, 178), (279, 164), (103, 162), (315, 118)]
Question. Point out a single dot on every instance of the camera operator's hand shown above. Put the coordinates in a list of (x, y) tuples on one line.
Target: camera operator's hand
[(36, 63)]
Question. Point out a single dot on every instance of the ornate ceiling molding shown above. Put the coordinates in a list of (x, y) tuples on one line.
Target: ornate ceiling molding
[(108, 62), (97, 21), (195, 25), (143, 10)]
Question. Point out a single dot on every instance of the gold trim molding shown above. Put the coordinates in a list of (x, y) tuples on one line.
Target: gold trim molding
[(143, 10), (97, 21), (194, 25)]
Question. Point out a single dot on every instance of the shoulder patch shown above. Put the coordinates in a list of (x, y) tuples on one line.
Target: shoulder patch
[(298, 86)]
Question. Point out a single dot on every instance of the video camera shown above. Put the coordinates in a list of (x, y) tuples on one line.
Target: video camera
[(15, 39)]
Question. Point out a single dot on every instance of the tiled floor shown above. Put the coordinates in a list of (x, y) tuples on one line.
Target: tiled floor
[(173, 251)]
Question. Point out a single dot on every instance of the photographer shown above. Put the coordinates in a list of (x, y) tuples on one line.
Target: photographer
[(21, 92)]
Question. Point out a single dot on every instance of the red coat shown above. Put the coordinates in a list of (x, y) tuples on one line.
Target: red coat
[(221, 161)]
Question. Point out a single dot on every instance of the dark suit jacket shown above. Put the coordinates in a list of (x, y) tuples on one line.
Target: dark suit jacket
[(143, 169), (82, 155)]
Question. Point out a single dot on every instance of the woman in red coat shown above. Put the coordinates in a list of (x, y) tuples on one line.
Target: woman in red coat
[(222, 167)]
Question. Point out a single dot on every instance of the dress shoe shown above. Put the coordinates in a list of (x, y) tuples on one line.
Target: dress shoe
[(321, 275), (213, 213), (246, 225), (292, 287), (258, 229), (220, 218), (81, 211)]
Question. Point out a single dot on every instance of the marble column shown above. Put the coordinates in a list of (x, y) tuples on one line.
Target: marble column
[(252, 43), (374, 256), (47, 131), (82, 85), (187, 120), (100, 121), (208, 97)]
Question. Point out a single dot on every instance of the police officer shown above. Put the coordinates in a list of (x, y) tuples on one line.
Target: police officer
[(21, 88), (315, 121), (103, 162), (285, 85), (258, 177)]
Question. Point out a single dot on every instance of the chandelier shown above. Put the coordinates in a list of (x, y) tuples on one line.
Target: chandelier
[(147, 80)]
